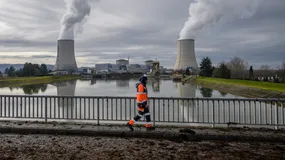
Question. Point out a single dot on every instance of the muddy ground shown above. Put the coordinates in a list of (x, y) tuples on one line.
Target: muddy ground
[(50, 147)]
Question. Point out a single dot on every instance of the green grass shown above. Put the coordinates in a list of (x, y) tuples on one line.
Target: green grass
[(280, 87), (19, 81)]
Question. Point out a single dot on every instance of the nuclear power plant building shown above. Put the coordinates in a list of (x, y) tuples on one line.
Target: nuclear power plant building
[(65, 60), (121, 62), (185, 55)]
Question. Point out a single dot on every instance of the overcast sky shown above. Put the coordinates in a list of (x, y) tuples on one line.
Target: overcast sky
[(140, 29)]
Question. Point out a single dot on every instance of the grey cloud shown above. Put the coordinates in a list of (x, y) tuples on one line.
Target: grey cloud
[(258, 40), (17, 43), (150, 31), (42, 56), (26, 57), (6, 56)]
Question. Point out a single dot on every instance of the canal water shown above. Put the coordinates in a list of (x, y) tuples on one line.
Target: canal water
[(156, 88), (119, 110)]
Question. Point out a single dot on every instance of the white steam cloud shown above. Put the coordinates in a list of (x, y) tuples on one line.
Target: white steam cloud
[(205, 12), (74, 18)]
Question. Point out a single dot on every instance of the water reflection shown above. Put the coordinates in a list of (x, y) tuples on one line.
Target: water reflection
[(206, 92), (155, 84), (186, 91), (66, 88), (93, 82), (66, 105), (223, 94), (122, 83), (31, 89)]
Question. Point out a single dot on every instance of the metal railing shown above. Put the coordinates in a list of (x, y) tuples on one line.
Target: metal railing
[(197, 111)]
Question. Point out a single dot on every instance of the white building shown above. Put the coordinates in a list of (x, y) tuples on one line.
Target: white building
[(87, 70), (136, 68), (120, 62), (148, 62)]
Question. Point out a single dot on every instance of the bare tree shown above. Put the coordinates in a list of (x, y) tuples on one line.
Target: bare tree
[(281, 72), (238, 68), (264, 67), (265, 71)]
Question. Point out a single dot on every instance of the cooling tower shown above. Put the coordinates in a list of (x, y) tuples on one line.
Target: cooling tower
[(185, 54), (65, 60)]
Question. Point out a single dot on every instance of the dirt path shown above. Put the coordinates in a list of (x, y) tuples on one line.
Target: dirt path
[(50, 147), (73, 147)]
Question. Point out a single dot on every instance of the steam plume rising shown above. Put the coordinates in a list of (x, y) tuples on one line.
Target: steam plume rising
[(205, 12), (75, 16)]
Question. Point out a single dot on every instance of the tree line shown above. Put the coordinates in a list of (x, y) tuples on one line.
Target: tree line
[(28, 70), (237, 68)]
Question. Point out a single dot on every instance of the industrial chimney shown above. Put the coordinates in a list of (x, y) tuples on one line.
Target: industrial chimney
[(65, 60), (185, 54)]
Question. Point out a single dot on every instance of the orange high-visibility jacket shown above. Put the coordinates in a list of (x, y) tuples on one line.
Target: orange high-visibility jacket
[(141, 93)]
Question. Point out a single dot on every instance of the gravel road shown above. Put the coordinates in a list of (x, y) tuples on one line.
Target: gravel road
[(50, 147)]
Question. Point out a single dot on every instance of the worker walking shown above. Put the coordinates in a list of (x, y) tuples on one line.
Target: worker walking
[(143, 108)]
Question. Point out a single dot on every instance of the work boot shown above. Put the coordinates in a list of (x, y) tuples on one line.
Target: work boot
[(130, 126), (150, 128)]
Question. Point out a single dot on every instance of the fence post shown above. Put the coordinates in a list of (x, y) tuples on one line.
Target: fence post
[(153, 102), (276, 116), (213, 119), (98, 114), (45, 109)]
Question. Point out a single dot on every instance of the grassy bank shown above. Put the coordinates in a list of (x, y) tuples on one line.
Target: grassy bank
[(279, 87), (20, 81), (244, 88)]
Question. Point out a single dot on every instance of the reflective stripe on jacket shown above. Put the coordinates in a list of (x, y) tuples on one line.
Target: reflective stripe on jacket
[(141, 93)]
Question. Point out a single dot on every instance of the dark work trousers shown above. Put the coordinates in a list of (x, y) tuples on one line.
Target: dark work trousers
[(143, 110)]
